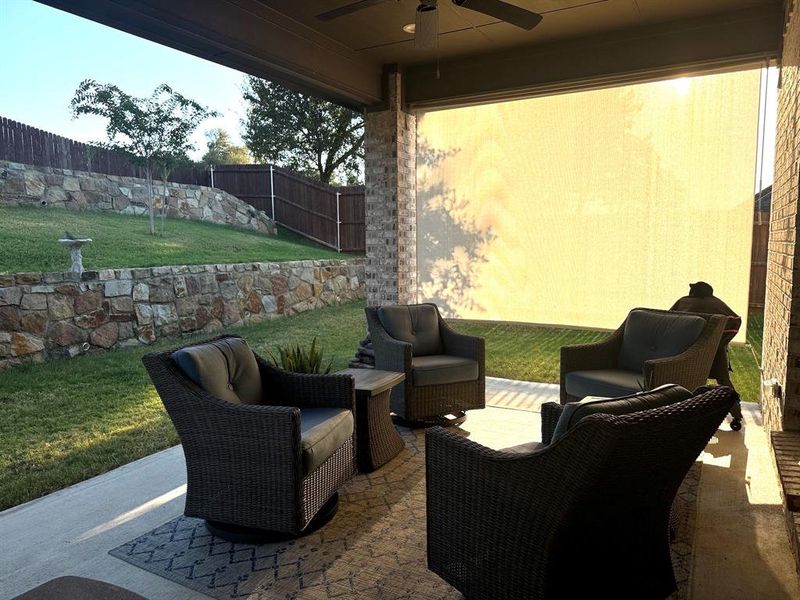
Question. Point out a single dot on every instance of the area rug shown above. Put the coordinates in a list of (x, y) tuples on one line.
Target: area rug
[(373, 548)]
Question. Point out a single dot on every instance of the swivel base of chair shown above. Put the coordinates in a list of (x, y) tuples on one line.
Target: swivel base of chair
[(253, 536)]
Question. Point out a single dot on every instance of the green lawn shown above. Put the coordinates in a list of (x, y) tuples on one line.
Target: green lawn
[(66, 421), (28, 236), (532, 353)]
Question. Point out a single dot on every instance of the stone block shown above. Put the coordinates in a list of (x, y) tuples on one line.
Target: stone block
[(164, 314), (162, 292), (105, 336), (23, 344), (66, 334), (34, 302), (146, 334), (144, 313), (269, 303), (118, 287), (60, 306), (88, 302), (10, 296), (122, 304), (141, 292), (27, 278), (179, 286)]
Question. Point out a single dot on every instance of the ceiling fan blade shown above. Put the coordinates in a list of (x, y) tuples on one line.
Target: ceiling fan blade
[(348, 9), (504, 11)]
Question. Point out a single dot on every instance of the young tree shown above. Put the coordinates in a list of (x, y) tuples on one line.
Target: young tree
[(222, 152), (313, 136), (148, 130)]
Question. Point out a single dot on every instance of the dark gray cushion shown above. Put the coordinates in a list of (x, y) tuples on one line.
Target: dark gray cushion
[(70, 587), (603, 382), (573, 412), (224, 368), (440, 369), (526, 448), (417, 324), (322, 432), (649, 335)]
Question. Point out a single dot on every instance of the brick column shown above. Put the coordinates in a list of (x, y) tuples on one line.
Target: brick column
[(781, 353), (391, 208)]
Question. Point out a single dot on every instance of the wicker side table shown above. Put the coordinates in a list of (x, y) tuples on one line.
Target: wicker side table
[(376, 437)]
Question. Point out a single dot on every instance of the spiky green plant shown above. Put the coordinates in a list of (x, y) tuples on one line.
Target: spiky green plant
[(298, 359)]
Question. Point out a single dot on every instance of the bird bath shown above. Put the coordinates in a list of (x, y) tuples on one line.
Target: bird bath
[(74, 247)]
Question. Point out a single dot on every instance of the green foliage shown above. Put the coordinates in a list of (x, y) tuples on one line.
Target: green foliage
[(298, 359), (306, 134), (222, 152), (153, 132)]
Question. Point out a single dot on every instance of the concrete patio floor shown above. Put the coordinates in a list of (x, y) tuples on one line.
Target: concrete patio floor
[(741, 546)]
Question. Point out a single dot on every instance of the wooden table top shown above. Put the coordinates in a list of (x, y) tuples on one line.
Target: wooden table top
[(374, 381)]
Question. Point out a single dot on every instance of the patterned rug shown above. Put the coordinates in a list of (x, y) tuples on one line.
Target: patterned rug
[(373, 548)]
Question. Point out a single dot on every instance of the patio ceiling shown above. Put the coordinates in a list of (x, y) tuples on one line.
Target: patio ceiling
[(579, 43)]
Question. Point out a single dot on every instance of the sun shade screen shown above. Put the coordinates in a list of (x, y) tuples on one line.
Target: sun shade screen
[(573, 209)]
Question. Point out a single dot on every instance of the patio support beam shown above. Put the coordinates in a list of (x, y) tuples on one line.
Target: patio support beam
[(781, 350), (391, 210), (245, 35), (620, 57)]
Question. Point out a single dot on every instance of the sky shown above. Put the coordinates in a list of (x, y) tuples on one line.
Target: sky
[(48, 52)]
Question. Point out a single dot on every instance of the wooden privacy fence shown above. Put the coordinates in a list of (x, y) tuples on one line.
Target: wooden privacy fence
[(24, 144), (332, 216), (758, 261)]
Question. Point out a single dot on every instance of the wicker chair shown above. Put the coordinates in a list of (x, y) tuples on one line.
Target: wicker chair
[(620, 370), (249, 471), (584, 517), (421, 398)]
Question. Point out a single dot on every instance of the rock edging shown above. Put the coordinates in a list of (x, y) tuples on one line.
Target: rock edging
[(51, 315)]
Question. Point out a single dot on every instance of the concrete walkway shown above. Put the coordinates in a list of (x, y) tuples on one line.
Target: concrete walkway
[(742, 550)]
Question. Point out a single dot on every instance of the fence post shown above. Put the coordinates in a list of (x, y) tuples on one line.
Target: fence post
[(338, 226), (211, 168), (272, 193)]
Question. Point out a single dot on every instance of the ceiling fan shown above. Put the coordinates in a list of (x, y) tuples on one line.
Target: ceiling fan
[(498, 9)]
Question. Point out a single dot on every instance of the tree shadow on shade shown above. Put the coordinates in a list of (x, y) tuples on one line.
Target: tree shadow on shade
[(451, 246)]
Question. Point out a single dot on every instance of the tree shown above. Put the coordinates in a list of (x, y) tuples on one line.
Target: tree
[(153, 132), (303, 133), (222, 152)]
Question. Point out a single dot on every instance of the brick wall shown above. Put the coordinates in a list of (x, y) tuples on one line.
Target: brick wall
[(781, 353), (391, 219), (48, 315)]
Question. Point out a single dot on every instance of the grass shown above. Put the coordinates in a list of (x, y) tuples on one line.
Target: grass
[(28, 236), (517, 351), (65, 421)]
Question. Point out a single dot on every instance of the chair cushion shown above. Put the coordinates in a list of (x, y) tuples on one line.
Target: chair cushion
[(439, 369), (649, 335), (225, 368), (70, 587), (573, 412), (417, 324), (526, 448), (322, 432), (610, 383)]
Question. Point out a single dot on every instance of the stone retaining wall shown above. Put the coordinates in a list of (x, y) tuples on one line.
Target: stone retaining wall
[(22, 185), (47, 315)]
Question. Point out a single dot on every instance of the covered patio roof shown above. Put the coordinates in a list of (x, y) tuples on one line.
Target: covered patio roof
[(579, 43)]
